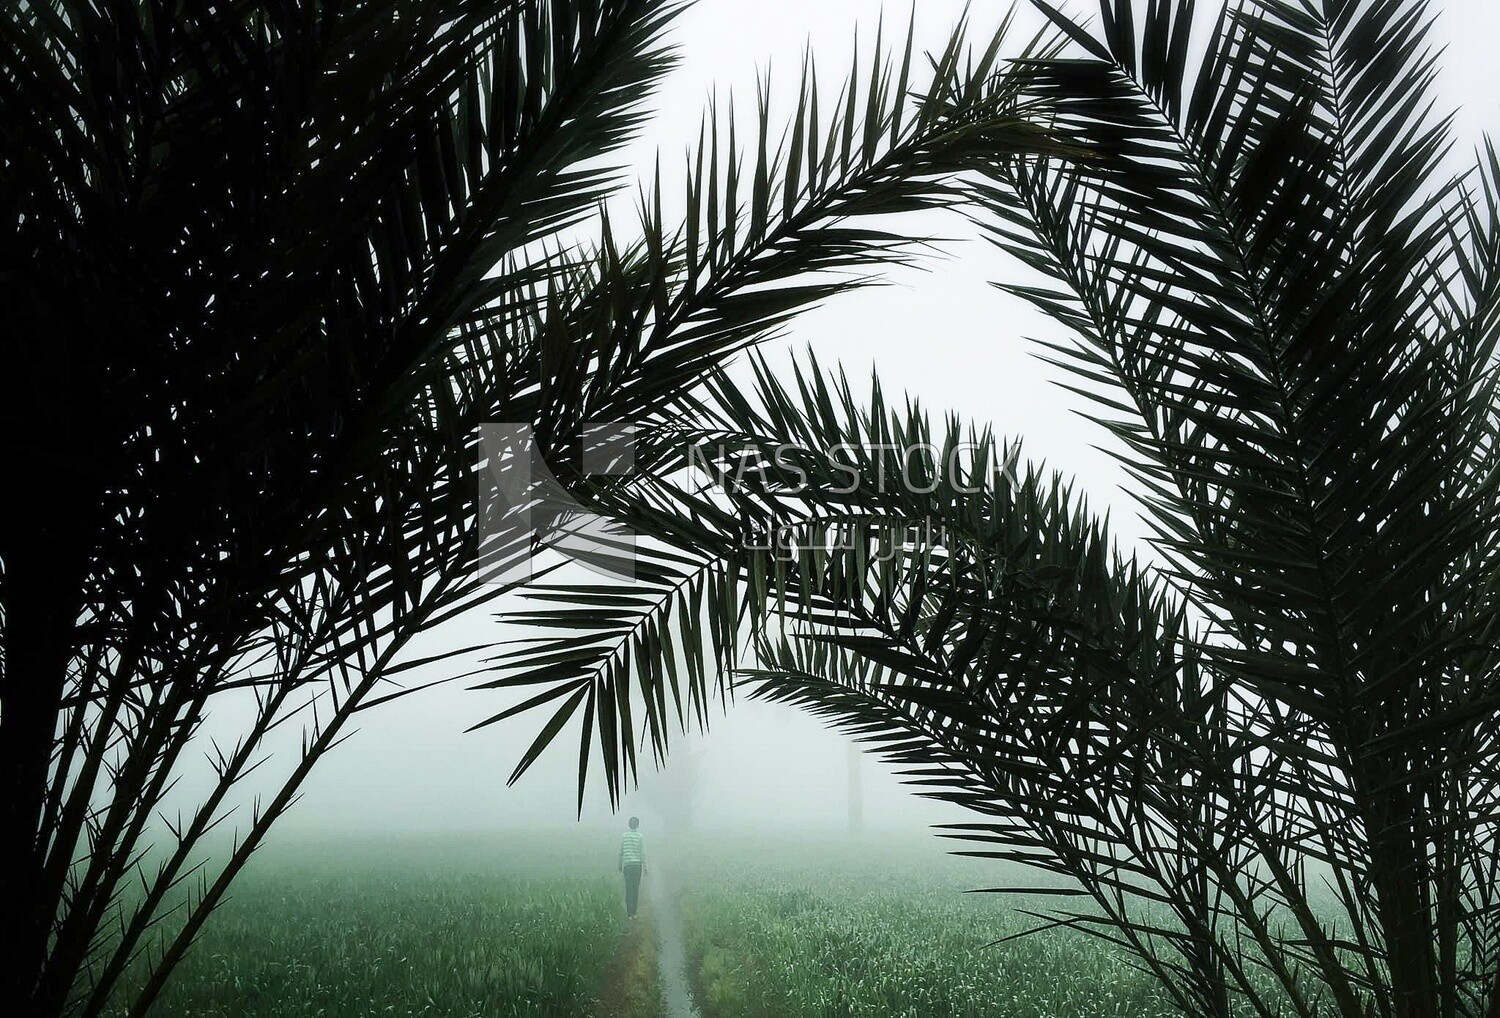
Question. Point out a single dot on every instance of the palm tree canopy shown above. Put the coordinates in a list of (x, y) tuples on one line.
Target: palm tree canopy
[(1286, 312), (273, 263)]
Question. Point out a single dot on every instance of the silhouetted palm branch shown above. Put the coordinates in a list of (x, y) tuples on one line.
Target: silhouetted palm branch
[(275, 263), (1269, 762)]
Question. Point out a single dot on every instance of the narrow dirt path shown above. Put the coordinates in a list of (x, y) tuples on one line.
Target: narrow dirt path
[(629, 989), (671, 958)]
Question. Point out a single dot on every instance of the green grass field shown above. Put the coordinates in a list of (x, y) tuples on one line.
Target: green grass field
[(828, 931), (473, 927), (522, 926)]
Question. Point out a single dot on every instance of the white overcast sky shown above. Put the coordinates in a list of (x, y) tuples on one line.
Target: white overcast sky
[(943, 335)]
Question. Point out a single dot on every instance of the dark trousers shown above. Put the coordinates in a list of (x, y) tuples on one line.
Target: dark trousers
[(632, 886)]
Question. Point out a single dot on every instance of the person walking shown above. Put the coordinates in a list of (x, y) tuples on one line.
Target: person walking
[(632, 864)]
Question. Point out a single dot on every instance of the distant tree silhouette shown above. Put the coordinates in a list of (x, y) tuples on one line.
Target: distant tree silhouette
[(673, 789), (856, 790)]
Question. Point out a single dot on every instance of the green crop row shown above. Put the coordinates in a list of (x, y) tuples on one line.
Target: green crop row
[(411, 932), (775, 936)]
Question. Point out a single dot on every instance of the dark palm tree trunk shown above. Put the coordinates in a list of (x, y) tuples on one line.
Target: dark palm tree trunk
[(1399, 875), (50, 434), (41, 612)]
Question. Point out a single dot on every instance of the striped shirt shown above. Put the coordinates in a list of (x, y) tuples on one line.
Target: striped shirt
[(632, 849)]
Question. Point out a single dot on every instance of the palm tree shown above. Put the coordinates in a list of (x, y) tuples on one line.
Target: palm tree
[(1266, 759), (271, 264)]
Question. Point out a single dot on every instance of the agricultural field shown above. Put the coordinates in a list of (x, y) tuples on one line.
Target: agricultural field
[(832, 929), (472, 927), (532, 926)]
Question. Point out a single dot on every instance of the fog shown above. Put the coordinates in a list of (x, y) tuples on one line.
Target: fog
[(944, 335)]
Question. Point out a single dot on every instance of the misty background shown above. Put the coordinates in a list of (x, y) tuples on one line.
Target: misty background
[(941, 332)]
